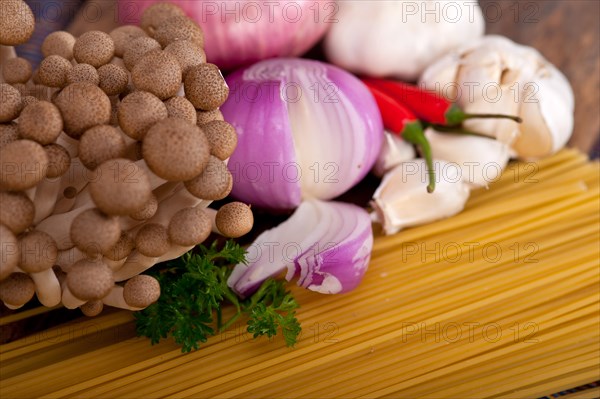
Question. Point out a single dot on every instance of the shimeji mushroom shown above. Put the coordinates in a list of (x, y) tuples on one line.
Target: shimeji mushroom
[(16, 22), (138, 293), (92, 308), (138, 112), (23, 164), (8, 133), (83, 73), (59, 160), (123, 35), (54, 70), (59, 43), (94, 233), (16, 70), (187, 54), (137, 49), (214, 183), (41, 122), (16, 290), (68, 257), (82, 106), (100, 144), (159, 73), (16, 211), (181, 107), (189, 227), (221, 137), (152, 240), (158, 13), (234, 219), (87, 280), (122, 248), (9, 252), (147, 211), (205, 87), (178, 28), (26, 100), (38, 255), (10, 103), (95, 48), (113, 79)]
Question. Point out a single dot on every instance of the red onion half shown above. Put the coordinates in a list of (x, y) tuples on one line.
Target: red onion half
[(306, 129)]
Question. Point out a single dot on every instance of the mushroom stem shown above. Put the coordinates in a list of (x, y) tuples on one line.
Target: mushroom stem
[(114, 264), (69, 143), (68, 257), (30, 193), (212, 214), (69, 300), (45, 198), (47, 287), (59, 226), (136, 263), (116, 300)]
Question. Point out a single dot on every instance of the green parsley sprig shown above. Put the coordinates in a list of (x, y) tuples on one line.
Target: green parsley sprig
[(194, 290)]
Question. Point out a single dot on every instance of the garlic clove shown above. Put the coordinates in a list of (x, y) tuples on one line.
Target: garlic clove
[(394, 151), (402, 199)]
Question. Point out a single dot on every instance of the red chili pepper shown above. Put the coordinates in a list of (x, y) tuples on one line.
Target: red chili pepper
[(400, 120), (427, 105)]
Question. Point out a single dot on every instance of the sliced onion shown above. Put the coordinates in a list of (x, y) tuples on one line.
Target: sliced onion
[(327, 245), (300, 123)]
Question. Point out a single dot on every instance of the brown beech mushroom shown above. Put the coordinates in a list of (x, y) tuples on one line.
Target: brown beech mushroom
[(113, 79), (121, 187), (83, 106), (59, 43), (92, 308), (138, 112), (100, 144), (16, 70), (16, 211), (203, 117), (122, 248), (16, 290), (95, 48), (159, 73), (94, 233), (10, 102), (28, 100), (54, 70), (59, 160), (221, 137), (38, 254), (205, 87), (234, 219), (41, 122), (179, 28), (152, 240), (181, 107), (141, 291), (187, 54), (189, 226), (214, 183), (87, 280), (9, 252), (123, 35), (147, 211), (23, 164), (158, 13), (83, 73), (16, 22), (136, 49), (8, 133)]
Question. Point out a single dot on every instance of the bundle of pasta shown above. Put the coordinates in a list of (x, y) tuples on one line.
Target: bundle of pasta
[(110, 153)]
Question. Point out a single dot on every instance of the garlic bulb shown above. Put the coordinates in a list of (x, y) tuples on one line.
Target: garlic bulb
[(496, 75), (394, 151), (402, 199), (399, 38)]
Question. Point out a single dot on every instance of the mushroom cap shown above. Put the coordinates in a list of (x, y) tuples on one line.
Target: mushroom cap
[(158, 13), (16, 22), (141, 291), (147, 211), (138, 112), (113, 79), (189, 226), (121, 187), (82, 106), (234, 219), (83, 73), (176, 150), (136, 49), (16, 211), (8, 133), (187, 54), (38, 251), (41, 92), (9, 252), (100, 144), (205, 87), (93, 232), (59, 43), (54, 70), (123, 247), (59, 160), (159, 73), (26, 100), (179, 28), (95, 48), (221, 137), (17, 289), (16, 70), (181, 107), (10, 102), (23, 164), (152, 240), (92, 308), (41, 122), (203, 117), (90, 279), (214, 183), (123, 35)]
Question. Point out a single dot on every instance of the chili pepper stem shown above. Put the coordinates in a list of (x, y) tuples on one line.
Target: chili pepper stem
[(458, 130), (455, 116), (413, 133)]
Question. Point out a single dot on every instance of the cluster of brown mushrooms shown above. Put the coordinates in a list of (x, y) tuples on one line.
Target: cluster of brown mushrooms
[(110, 153)]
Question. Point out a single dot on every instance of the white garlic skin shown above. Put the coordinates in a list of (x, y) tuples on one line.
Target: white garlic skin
[(394, 151)]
